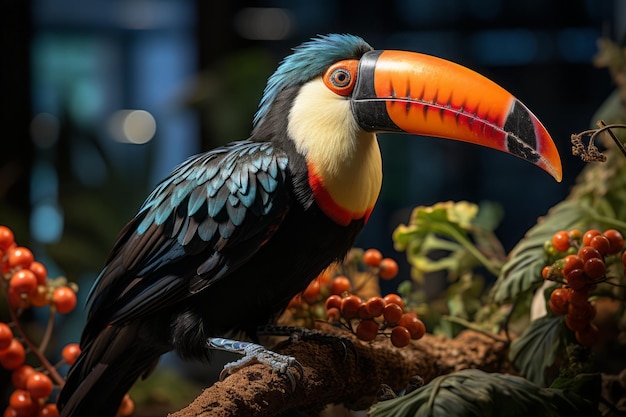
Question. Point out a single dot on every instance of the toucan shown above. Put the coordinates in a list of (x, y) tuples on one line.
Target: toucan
[(222, 244)]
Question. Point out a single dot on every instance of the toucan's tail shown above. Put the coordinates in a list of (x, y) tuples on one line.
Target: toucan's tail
[(104, 372)]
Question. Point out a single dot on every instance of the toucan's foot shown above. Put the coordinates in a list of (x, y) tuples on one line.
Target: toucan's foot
[(255, 353), (303, 333)]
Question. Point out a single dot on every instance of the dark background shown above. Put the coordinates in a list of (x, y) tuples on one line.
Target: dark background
[(67, 185)]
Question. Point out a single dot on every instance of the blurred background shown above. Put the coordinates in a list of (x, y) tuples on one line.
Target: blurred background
[(102, 98)]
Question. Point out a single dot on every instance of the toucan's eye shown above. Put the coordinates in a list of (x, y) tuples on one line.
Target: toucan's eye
[(340, 77)]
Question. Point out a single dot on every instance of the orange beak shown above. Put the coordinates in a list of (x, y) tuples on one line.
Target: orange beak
[(399, 91)]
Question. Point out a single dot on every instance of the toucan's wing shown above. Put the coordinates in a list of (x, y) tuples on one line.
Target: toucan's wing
[(211, 214)]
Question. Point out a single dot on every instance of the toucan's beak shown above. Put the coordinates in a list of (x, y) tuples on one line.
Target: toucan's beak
[(399, 91)]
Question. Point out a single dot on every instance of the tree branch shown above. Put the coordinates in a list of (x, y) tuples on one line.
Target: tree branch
[(332, 375)]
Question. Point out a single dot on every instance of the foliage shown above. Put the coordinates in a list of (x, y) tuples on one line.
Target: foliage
[(471, 392)]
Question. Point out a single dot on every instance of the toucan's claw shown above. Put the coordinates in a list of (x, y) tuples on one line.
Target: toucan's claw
[(255, 353)]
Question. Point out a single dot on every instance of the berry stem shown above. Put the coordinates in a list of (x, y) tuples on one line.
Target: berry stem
[(58, 379), (48, 333)]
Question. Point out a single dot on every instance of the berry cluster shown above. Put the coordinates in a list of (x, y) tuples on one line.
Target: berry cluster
[(25, 284), (581, 268), (336, 299), (374, 316)]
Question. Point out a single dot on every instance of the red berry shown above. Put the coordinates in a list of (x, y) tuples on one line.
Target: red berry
[(20, 257), (545, 272), (333, 313), (367, 330), (333, 301), (572, 262), (594, 268), (13, 356), (340, 285), (20, 375), (40, 271), (589, 234), (64, 299), (49, 410), (22, 403), (616, 239), (6, 335), (70, 353), (585, 311), (579, 297), (392, 313), (560, 241), (372, 257), (312, 291), (350, 306), (6, 238), (400, 336), (39, 385), (394, 299), (601, 244), (388, 268), (23, 282), (575, 324), (375, 306), (558, 301), (576, 279), (414, 325), (588, 336), (588, 252), (127, 406)]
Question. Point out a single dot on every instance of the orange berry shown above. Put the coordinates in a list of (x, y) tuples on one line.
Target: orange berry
[(64, 299), (616, 239), (560, 241), (13, 356), (23, 282), (589, 234), (594, 268), (545, 271), (340, 285), (40, 271), (572, 262), (70, 353), (588, 336), (350, 306), (558, 301), (10, 412), (312, 291), (375, 306), (415, 326), (333, 301), (127, 406), (372, 257), (6, 238), (40, 297), (39, 385), (392, 313), (400, 336), (333, 313), (48, 410), (20, 257), (394, 299), (20, 375), (601, 244), (6, 335), (21, 401), (367, 330), (388, 268)]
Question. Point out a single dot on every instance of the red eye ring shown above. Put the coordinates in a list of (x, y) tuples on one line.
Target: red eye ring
[(341, 76)]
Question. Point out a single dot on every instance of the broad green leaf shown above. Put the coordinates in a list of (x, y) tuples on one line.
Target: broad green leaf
[(522, 272), (538, 347), (475, 393)]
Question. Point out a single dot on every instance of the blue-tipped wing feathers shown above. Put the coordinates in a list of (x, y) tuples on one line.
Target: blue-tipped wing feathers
[(183, 237)]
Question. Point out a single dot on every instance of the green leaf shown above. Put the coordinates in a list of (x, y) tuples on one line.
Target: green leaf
[(475, 393), (522, 272), (538, 348)]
